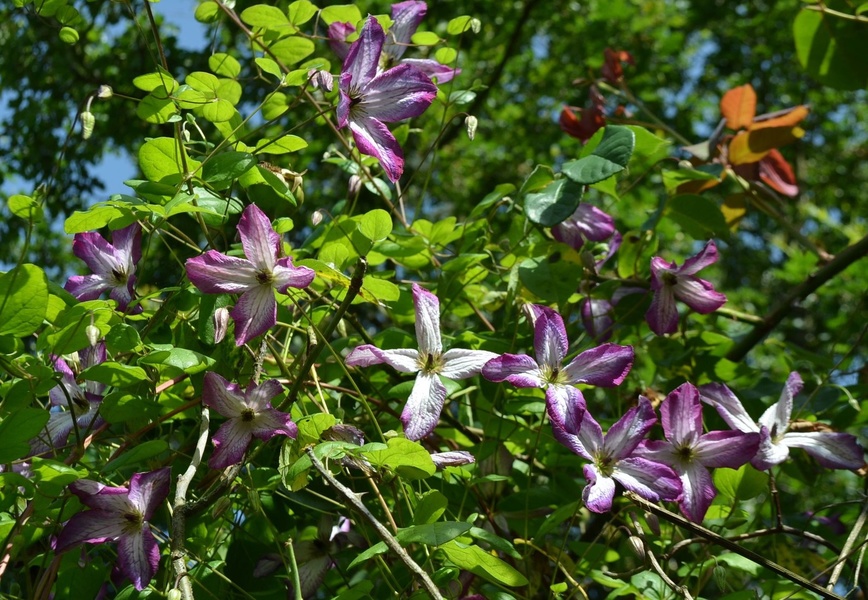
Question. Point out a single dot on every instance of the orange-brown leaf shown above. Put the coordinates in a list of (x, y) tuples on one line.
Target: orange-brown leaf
[(734, 208), (738, 106), (751, 146), (790, 119)]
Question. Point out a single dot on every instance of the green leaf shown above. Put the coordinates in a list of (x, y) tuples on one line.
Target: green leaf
[(23, 300), (71, 323), (25, 207), (208, 12), (557, 201), (635, 253), (425, 38), (218, 110), (156, 107), (376, 225), (160, 158), (409, 459), (539, 178), (136, 454), (115, 374), (301, 11), (649, 150), (496, 542), (740, 484), (698, 216), (310, 429), (96, 218), (432, 534), (181, 358), (122, 338), (459, 25), (217, 208), (281, 145), (673, 179), (831, 49), (609, 157), (553, 280), (160, 80), (292, 50), (378, 548), (224, 64), (226, 167), (344, 13), (120, 406), (382, 290), (267, 17), (446, 56), (430, 507), (481, 563), (16, 431)]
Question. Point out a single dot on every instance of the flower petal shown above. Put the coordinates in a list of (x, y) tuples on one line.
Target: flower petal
[(422, 411), (139, 557), (216, 273), (427, 308), (230, 443), (374, 139), (706, 257), (101, 497), (337, 35), (433, 69), (461, 364), (729, 407), (623, 437), (87, 287), (406, 17), (258, 397), (831, 449), (730, 449), (771, 451), (698, 492), (91, 526), (652, 480), (566, 409), (254, 313), (455, 458), (550, 341), (777, 416), (588, 434), (681, 415), (662, 315), (518, 369), (149, 490), (363, 57), (600, 491), (603, 366), (99, 256), (402, 92), (405, 360), (698, 294), (272, 422), (260, 242), (597, 318), (128, 244), (285, 275), (221, 395)]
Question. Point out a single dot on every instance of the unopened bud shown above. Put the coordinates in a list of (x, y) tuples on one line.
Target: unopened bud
[(104, 92), (355, 185), (719, 574), (93, 334), (475, 25), (653, 523), (321, 79), (317, 217), (174, 594), (221, 323), (471, 122), (87, 123), (637, 545)]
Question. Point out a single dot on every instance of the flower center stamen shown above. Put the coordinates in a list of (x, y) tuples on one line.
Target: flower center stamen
[(248, 415), (264, 277)]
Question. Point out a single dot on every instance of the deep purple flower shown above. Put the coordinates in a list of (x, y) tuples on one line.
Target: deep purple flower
[(831, 449), (603, 366), (691, 452), (670, 282), (597, 318), (423, 408), (71, 401), (255, 278), (121, 515), (113, 265), (249, 413), (370, 98), (587, 223), (613, 458)]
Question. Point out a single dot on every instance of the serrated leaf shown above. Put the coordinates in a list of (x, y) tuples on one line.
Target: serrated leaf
[(609, 157), (557, 201), (23, 300)]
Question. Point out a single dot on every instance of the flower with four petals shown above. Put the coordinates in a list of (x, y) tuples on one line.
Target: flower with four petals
[(113, 265)]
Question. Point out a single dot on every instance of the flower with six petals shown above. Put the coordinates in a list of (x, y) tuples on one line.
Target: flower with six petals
[(113, 265)]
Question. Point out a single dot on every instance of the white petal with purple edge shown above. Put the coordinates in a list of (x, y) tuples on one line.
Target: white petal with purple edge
[(405, 360), (832, 450), (285, 275), (215, 273), (87, 287), (706, 257), (697, 492), (260, 242), (224, 397), (603, 366), (363, 57), (652, 480), (730, 449), (374, 139), (681, 415), (698, 294), (230, 443), (406, 17), (770, 452), (139, 557), (600, 492), (148, 490), (460, 364), (422, 411), (402, 92), (550, 341), (777, 416), (254, 313), (518, 369), (433, 69), (271, 422), (427, 308), (623, 437), (128, 243), (728, 406), (258, 397)]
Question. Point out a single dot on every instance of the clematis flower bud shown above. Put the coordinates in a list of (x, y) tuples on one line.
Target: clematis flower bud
[(104, 92), (92, 333), (221, 323), (471, 122), (87, 123)]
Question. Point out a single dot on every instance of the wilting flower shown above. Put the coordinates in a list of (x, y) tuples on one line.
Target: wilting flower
[(122, 515), (587, 223), (249, 413), (425, 403), (670, 282), (71, 402), (603, 366), (255, 278), (455, 458), (370, 98), (833, 450), (691, 452), (406, 17), (113, 265)]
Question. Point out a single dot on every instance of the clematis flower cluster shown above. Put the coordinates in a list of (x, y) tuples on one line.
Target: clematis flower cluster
[(113, 265)]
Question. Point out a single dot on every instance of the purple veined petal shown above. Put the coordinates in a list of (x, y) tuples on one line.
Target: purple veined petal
[(427, 308), (87, 287), (597, 318), (728, 406), (406, 17), (260, 242), (92, 355), (730, 449), (681, 415), (603, 366), (600, 491), (698, 294), (402, 92), (338, 34), (93, 527), (101, 497), (123, 294), (405, 360), (518, 369), (286, 275), (613, 244), (833, 450), (698, 492), (230, 443), (662, 315), (661, 451), (433, 69), (149, 490), (128, 244), (310, 575), (590, 436), (706, 257), (659, 268), (535, 311), (777, 416), (565, 406), (258, 397), (99, 256), (221, 395), (139, 556), (461, 364), (771, 451), (423, 408), (254, 313), (55, 433), (374, 139), (216, 273), (271, 422), (342, 112), (652, 480), (587, 223), (452, 459), (623, 437), (363, 57), (57, 395), (550, 341)]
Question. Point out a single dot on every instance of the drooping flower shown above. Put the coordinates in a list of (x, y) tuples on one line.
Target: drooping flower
[(454, 458), (255, 277), (429, 362), (670, 282), (113, 265), (406, 17), (122, 515), (370, 98), (690, 452), (613, 457), (587, 223), (833, 450), (603, 366), (71, 402), (249, 413)]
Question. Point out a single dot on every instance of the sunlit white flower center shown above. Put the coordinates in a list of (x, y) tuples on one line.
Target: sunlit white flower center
[(119, 277), (430, 363), (604, 463), (553, 375)]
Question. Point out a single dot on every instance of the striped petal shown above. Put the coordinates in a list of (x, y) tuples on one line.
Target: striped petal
[(422, 411)]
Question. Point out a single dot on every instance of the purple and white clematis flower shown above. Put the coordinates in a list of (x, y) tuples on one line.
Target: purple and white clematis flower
[(255, 277), (249, 413), (122, 515), (833, 450), (113, 265), (423, 408), (613, 457), (670, 282), (691, 452), (587, 223), (71, 402), (603, 366), (370, 98), (406, 17)]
